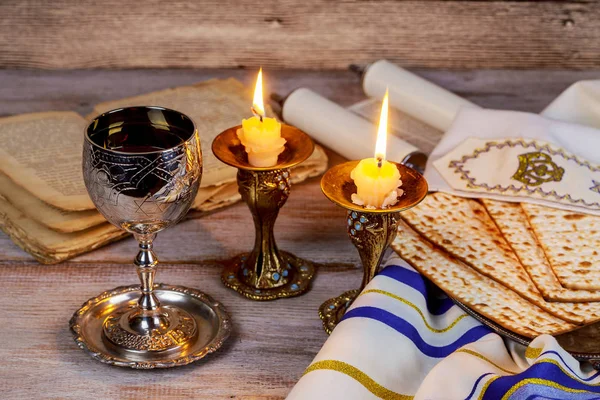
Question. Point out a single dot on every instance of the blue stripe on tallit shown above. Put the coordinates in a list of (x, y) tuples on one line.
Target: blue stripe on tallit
[(591, 378), (406, 329), (476, 384), (542, 370), (436, 306)]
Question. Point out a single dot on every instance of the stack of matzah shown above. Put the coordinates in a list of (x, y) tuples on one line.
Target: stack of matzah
[(529, 268)]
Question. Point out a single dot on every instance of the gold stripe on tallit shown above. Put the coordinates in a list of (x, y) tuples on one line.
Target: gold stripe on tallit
[(359, 376)]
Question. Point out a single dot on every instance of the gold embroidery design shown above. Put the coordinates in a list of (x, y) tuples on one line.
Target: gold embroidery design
[(536, 168), (458, 166)]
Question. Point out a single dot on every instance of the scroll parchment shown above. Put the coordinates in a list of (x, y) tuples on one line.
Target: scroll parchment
[(419, 134), (414, 95)]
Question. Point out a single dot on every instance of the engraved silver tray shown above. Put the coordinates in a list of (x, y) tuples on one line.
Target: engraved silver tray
[(211, 319)]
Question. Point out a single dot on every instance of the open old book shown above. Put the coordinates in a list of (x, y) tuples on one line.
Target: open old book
[(44, 206)]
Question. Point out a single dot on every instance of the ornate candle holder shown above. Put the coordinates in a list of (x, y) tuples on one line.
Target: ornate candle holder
[(266, 273), (370, 230)]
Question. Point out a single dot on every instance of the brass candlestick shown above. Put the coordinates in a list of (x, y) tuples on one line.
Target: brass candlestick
[(370, 230), (266, 273)]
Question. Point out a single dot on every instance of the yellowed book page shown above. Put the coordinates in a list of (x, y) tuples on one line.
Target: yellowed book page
[(204, 194), (49, 246), (214, 106), (41, 152), (52, 217), (227, 194)]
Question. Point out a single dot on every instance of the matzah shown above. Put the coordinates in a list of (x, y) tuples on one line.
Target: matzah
[(571, 244), (463, 228), (482, 294), (513, 223)]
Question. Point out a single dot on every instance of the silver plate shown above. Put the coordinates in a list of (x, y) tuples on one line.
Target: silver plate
[(583, 344), (211, 318)]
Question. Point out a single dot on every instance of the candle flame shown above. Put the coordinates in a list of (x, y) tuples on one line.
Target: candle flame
[(257, 104), (382, 130)]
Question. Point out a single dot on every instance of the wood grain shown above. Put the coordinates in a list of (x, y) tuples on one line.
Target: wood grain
[(23, 91), (310, 34), (272, 342)]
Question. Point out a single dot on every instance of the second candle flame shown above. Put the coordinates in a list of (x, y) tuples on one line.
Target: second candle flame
[(382, 131), (258, 107)]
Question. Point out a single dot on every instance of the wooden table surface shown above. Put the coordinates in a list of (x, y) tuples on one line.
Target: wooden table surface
[(273, 342)]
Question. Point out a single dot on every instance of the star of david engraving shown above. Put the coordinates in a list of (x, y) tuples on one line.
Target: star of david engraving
[(149, 208)]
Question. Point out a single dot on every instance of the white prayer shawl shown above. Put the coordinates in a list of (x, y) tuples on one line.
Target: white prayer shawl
[(403, 339)]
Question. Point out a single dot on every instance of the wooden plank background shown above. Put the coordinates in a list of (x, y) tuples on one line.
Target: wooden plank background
[(309, 34)]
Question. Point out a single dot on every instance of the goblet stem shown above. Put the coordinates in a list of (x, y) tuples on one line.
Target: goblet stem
[(371, 234), (265, 193), (146, 262)]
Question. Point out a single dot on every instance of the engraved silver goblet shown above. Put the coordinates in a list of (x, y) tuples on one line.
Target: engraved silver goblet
[(142, 168)]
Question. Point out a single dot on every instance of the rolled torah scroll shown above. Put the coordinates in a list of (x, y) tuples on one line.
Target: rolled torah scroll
[(344, 132), (412, 94)]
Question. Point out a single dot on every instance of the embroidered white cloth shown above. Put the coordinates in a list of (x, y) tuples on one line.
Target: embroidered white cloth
[(522, 157), (403, 339)]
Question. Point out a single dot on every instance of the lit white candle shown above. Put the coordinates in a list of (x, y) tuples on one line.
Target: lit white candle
[(377, 180), (261, 136)]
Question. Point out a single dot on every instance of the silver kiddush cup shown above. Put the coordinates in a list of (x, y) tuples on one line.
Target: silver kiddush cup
[(142, 168)]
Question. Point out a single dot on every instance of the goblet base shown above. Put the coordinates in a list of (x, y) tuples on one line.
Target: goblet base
[(166, 329), (298, 272), (190, 325), (332, 311)]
